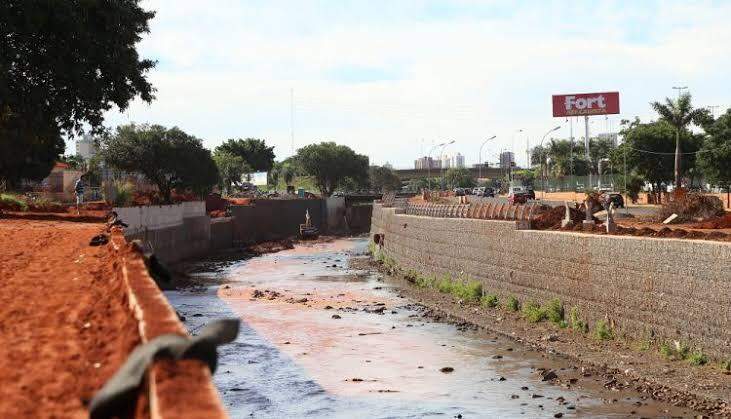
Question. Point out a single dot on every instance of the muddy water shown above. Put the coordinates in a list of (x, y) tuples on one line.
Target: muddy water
[(320, 339)]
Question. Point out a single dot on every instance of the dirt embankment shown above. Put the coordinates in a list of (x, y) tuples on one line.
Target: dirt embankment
[(66, 326), (615, 363)]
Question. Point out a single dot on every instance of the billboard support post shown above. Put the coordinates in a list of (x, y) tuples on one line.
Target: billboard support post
[(588, 159)]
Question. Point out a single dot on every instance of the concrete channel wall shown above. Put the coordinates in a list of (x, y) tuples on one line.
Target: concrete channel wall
[(161, 396), (669, 288)]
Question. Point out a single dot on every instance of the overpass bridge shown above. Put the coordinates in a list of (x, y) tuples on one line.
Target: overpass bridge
[(409, 174)]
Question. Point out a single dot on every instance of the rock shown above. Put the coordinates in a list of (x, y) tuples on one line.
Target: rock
[(357, 380), (497, 357), (335, 316), (197, 315), (550, 338), (514, 396), (536, 396), (287, 342), (446, 370), (328, 307), (558, 415), (502, 378), (548, 375), (524, 388)]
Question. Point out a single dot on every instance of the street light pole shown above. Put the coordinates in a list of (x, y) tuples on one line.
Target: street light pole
[(543, 172), (680, 89), (479, 158)]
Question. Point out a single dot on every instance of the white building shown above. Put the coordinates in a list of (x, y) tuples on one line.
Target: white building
[(446, 161), (85, 147), (424, 163), (458, 161), (610, 135)]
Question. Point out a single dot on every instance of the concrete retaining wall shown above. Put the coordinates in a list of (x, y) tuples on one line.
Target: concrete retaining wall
[(275, 219), (672, 288), (175, 232)]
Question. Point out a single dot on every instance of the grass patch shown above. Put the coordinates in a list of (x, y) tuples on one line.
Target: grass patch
[(697, 358), (643, 345), (13, 203), (726, 365), (445, 284), (554, 311), (533, 312), (575, 321), (468, 290), (666, 350), (602, 331), (425, 281), (371, 248), (489, 300), (512, 304)]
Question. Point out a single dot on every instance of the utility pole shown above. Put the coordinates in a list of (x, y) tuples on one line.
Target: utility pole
[(291, 117), (680, 89)]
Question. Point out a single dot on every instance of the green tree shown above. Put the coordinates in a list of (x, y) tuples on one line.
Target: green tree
[(231, 168), (255, 152), (384, 179), (648, 150), (680, 114), (63, 64), (169, 158), (459, 178), (714, 159), (330, 164)]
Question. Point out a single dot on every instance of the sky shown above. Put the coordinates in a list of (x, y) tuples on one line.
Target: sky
[(392, 78)]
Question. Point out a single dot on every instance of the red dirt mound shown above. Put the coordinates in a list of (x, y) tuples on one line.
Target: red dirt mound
[(723, 221), (552, 217)]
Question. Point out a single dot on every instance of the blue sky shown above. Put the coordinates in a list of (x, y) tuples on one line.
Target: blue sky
[(390, 78)]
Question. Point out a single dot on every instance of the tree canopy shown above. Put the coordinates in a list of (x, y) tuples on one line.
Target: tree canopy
[(384, 179), (649, 150), (169, 158), (679, 114), (255, 152), (459, 177), (231, 168), (715, 156), (332, 165), (64, 64)]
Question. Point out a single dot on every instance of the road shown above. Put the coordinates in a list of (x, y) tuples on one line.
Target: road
[(322, 339)]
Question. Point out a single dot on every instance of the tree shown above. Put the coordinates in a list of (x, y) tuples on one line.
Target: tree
[(231, 168), (680, 114), (648, 150), (459, 178), (330, 164), (75, 161), (64, 64), (169, 158), (255, 152), (384, 179), (714, 158)]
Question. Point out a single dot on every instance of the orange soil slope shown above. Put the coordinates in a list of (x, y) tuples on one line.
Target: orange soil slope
[(65, 325)]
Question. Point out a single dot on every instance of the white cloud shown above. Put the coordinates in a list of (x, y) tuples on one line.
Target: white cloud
[(226, 69)]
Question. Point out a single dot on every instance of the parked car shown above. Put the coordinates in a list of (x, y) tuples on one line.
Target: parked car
[(531, 193), (459, 192), (488, 192), (518, 198)]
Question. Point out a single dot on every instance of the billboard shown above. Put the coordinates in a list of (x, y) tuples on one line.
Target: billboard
[(580, 104)]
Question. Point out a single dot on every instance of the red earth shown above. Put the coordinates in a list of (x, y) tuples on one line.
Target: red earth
[(66, 326)]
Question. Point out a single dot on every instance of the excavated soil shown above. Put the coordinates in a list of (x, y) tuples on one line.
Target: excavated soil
[(66, 326)]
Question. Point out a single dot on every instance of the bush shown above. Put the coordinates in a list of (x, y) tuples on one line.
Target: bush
[(533, 312), (666, 350), (726, 365), (425, 281), (512, 304), (555, 311), (576, 322), (490, 300), (602, 331), (12, 203)]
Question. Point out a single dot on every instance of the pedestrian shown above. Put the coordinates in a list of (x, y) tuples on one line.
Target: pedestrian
[(79, 190)]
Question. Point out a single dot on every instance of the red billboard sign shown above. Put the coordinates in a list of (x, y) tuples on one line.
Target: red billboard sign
[(580, 104)]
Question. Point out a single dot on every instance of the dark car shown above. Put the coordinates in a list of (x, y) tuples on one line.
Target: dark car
[(518, 198), (458, 192), (531, 194), (488, 193)]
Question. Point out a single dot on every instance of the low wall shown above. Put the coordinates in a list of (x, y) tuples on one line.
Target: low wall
[(275, 219), (672, 288), (172, 389), (175, 232), (222, 233)]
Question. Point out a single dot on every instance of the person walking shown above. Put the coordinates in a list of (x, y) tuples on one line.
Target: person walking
[(79, 190)]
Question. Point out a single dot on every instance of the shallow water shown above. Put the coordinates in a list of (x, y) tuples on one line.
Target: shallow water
[(381, 358)]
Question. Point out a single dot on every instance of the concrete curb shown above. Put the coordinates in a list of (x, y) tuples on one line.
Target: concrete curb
[(182, 389)]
